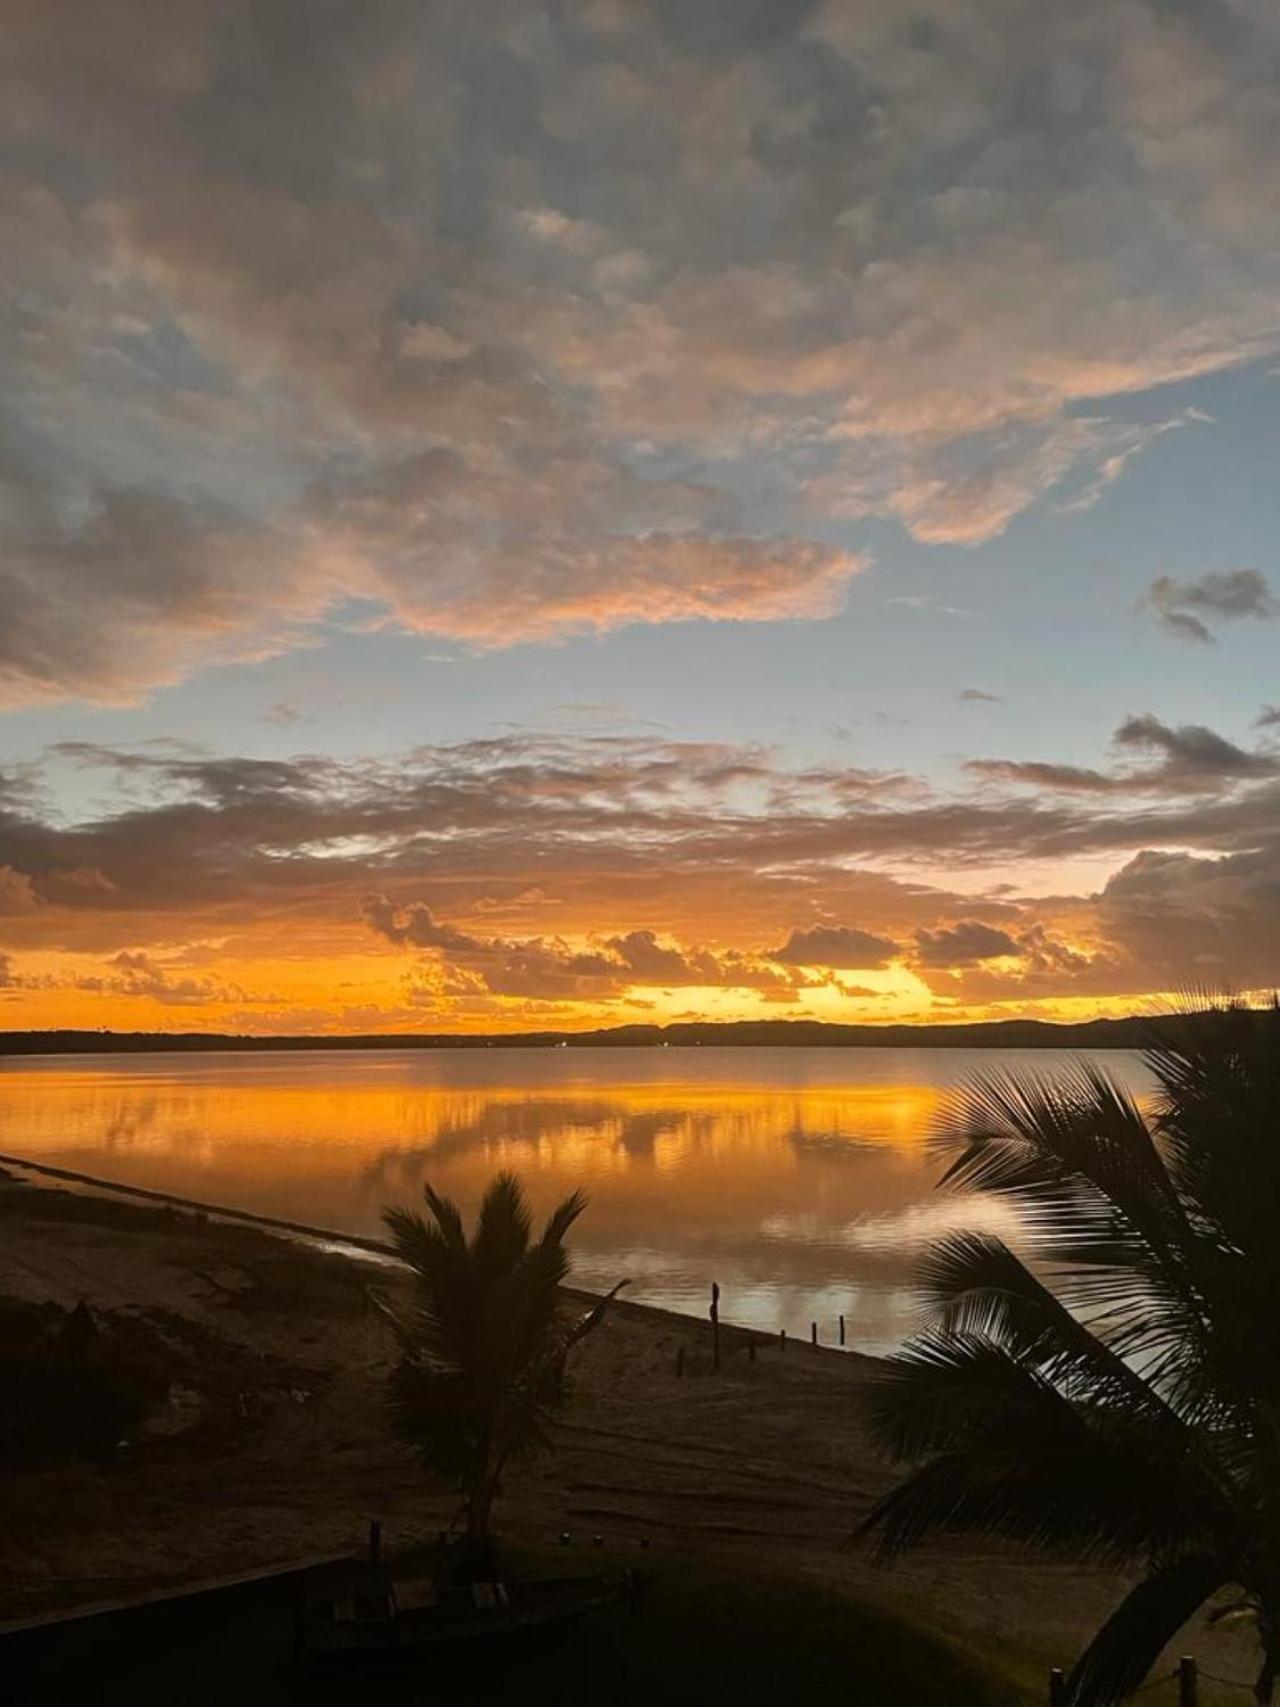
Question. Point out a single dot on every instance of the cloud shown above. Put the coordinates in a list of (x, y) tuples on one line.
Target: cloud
[(549, 967), (137, 975), (17, 894), (284, 714), (219, 884), (1193, 753), (1037, 773), (978, 696), (1186, 608), (1192, 759), (963, 944), (416, 927), (552, 319), (841, 946), (1199, 920), (143, 590)]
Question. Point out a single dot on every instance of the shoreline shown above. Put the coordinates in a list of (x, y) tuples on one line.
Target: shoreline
[(324, 1237), (357, 1247), (1125, 1032), (277, 1446)]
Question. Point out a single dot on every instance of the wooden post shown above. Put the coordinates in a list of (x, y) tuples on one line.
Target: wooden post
[(1057, 1688), (782, 1339), (679, 1362), (375, 1540), (715, 1326), (813, 1333), (842, 1330), (1188, 1682)]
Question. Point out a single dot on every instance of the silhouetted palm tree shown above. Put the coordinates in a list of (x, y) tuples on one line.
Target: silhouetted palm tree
[(483, 1347), (1121, 1404)]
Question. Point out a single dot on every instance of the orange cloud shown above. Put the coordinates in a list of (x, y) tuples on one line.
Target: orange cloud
[(260, 895)]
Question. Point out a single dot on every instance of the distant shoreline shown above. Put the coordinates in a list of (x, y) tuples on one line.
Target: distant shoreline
[(1128, 1033)]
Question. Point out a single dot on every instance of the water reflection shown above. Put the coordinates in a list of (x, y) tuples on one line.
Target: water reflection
[(796, 1178)]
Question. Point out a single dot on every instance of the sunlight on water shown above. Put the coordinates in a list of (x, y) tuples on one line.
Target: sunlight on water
[(799, 1179)]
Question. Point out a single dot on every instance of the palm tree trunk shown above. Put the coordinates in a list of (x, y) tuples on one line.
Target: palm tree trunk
[(479, 1510), (478, 1560)]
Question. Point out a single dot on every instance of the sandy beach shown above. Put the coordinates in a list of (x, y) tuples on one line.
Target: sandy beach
[(274, 1444)]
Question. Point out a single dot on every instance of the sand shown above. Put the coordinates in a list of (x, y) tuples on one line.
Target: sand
[(276, 1444)]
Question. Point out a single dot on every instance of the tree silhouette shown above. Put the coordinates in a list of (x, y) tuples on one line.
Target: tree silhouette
[(1114, 1398), (485, 1342)]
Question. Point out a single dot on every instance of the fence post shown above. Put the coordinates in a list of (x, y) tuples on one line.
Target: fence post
[(1188, 1682), (782, 1339), (1057, 1688), (715, 1326), (813, 1333), (842, 1330)]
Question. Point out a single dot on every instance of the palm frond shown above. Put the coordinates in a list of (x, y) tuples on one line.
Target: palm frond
[(1026, 1133), (448, 1218), (948, 1390), (592, 1319), (1137, 1632), (1093, 1501), (1093, 1194), (503, 1227), (562, 1217), (979, 1287)]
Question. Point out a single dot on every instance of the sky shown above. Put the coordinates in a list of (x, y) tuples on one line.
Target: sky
[(572, 512)]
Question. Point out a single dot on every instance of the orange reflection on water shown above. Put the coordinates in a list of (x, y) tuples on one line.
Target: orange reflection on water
[(263, 1133), (794, 1177)]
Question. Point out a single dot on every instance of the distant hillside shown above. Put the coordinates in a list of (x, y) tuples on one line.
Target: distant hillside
[(1131, 1033)]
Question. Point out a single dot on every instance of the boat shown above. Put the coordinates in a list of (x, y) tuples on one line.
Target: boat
[(379, 1613)]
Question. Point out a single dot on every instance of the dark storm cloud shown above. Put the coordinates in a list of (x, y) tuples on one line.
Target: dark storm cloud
[(963, 944), (416, 304), (841, 946), (1188, 608)]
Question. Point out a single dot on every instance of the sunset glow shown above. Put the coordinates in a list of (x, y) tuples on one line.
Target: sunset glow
[(542, 517)]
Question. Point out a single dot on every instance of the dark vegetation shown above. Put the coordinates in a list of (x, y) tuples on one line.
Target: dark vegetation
[(484, 1343), (741, 1034), (1114, 1398), (73, 1382)]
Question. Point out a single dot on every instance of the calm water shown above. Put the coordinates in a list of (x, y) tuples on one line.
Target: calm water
[(796, 1178)]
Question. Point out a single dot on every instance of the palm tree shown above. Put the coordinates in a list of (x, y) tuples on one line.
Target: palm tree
[(484, 1345), (1115, 1398)]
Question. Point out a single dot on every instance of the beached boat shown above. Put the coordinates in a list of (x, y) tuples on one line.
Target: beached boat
[(378, 1614)]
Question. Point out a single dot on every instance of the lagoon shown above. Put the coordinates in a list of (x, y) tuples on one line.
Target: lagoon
[(799, 1179)]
